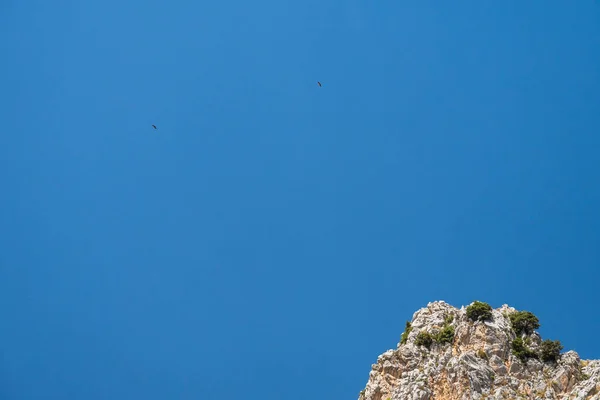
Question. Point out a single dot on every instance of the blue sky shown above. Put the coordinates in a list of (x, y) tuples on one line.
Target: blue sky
[(271, 238)]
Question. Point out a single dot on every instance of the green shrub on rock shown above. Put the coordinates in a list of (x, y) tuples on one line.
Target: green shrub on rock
[(482, 354), (446, 335), (479, 311), (550, 350), (424, 339), (524, 322), (584, 377), (449, 318), (521, 351), (406, 332)]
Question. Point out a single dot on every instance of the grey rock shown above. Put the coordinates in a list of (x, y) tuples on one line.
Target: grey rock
[(478, 364)]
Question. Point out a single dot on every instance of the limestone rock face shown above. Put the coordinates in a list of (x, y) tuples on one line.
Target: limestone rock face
[(477, 364)]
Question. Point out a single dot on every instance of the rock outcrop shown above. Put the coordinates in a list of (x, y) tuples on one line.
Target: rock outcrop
[(476, 362)]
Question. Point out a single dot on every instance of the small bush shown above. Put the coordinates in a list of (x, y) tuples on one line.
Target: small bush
[(449, 318), (482, 354), (524, 322), (446, 335), (406, 332), (479, 311), (521, 351), (424, 339), (550, 350)]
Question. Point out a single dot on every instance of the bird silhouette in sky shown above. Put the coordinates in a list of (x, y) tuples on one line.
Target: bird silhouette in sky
[(154, 126), (319, 83)]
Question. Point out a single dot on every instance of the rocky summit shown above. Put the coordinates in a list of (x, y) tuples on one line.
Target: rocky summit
[(477, 352)]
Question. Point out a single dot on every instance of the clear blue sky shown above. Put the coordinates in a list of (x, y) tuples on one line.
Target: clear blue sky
[(271, 238)]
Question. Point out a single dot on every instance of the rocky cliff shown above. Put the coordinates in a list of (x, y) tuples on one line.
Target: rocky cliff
[(448, 353)]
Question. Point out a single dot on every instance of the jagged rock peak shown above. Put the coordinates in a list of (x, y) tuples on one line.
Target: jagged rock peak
[(477, 353)]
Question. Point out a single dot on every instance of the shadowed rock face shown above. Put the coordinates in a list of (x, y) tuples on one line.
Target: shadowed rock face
[(478, 364)]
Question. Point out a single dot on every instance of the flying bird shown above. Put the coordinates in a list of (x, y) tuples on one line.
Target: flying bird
[(319, 84), (154, 126)]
